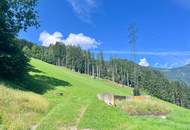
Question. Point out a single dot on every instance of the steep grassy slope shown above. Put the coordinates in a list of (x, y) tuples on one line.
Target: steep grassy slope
[(79, 108), (20, 110)]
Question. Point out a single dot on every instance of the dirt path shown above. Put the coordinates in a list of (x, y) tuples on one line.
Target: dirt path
[(83, 109), (79, 117)]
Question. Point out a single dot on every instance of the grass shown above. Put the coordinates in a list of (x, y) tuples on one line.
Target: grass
[(18, 109), (80, 108), (143, 107)]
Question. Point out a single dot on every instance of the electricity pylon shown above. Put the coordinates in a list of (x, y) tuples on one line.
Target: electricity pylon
[(132, 36)]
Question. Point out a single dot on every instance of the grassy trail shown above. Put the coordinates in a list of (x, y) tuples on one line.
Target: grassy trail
[(68, 100), (82, 92)]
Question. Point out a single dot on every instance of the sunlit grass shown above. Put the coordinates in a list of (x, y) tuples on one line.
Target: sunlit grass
[(20, 110), (82, 93), (79, 107)]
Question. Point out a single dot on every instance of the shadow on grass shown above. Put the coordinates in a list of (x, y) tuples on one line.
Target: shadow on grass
[(41, 83), (38, 83), (30, 68)]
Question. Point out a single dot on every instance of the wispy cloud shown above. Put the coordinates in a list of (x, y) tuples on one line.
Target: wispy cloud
[(162, 59), (167, 65), (80, 39), (84, 9), (151, 53), (182, 3), (171, 61)]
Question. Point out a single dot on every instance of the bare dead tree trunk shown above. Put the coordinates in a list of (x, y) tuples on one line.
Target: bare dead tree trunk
[(93, 71), (97, 71), (88, 69), (127, 78), (113, 73)]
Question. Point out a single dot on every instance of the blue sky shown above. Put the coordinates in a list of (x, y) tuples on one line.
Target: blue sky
[(163, 28)]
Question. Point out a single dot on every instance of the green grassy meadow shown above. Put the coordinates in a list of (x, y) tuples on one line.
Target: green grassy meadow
[(79, 107), (19, 110)]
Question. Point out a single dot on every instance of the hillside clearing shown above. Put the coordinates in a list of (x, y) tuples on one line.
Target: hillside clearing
[(98, 115), (80, 96)]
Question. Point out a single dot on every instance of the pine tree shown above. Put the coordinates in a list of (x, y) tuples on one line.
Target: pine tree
[(14, 17)]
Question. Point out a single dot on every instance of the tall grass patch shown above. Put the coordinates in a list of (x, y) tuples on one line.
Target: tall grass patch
[(20, 110), (143, 107)]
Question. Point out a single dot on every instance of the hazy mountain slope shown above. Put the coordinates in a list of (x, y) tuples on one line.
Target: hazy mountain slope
[(181, 73)]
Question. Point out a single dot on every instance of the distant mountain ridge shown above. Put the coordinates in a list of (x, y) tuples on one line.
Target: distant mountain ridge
[(180, 73)]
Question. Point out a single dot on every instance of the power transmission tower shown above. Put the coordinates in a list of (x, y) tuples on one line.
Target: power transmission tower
[(132, 36)]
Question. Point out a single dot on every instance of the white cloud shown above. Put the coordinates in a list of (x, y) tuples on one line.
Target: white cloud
[(84, 8), (48, 39), (144, 62), (80, 39)]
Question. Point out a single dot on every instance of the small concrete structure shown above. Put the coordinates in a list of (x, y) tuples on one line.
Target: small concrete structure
[(110, 98)]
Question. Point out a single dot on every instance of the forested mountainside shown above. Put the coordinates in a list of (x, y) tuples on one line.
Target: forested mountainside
[(117, 70), (180, 73), (78, 107), (57, 87)]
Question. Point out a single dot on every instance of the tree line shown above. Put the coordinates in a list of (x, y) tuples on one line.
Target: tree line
[(116, 69), (14, 55)]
